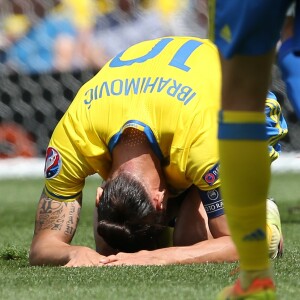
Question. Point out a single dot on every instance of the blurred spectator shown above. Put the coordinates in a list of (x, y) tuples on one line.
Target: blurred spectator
[(62, 35), (125, 24), (183, 17), (83, 14), (38, 50), (169, 9), (13, 27), (56, 41), (191, 19)]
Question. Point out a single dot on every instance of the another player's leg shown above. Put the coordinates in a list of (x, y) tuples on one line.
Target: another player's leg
[(245, 171), (274, 232)]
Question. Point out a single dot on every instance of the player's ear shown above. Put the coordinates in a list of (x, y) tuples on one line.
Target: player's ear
[(99, 192), (159, 199), (98, 195)]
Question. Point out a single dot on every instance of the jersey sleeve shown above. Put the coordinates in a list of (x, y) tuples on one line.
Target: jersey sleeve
[(66, 166)]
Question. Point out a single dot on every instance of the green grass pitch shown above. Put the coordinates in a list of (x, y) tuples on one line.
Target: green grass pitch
[(20, 281)]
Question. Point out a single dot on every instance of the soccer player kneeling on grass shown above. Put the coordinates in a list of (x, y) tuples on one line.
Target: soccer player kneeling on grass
[(147, 124)]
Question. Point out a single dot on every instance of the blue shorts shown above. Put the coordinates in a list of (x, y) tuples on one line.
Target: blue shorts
[(246, 27)]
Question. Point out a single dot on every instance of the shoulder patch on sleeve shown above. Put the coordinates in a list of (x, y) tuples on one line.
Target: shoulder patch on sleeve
[(53, 163)]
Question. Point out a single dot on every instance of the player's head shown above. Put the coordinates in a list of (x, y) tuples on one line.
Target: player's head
[(127, 219)]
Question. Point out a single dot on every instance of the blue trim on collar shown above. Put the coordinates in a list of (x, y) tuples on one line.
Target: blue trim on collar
[(142, 127)]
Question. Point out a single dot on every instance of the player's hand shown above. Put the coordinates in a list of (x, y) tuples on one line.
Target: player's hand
[(139, 258), (84, 257)]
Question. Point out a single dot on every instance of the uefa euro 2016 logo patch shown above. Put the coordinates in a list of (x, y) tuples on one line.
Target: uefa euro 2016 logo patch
[(52, 163), (212, 175)]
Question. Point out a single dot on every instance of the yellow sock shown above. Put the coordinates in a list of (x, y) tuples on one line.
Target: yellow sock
[(245, 176)]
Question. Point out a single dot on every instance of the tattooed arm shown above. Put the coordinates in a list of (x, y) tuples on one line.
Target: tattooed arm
[(55, 226)]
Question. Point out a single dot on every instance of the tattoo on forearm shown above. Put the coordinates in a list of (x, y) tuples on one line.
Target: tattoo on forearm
[(70, 222), (57, 215), (50, 214)]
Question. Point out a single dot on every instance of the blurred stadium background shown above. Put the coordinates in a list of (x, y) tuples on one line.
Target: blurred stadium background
[(49, 48)]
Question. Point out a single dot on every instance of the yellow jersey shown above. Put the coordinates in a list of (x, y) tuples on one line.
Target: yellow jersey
[(169, 89)]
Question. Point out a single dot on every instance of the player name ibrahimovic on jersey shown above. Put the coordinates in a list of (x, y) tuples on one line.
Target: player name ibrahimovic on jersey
[(125, 87)]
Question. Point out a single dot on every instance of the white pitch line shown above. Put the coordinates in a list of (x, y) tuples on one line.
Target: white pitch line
[(34, 167)]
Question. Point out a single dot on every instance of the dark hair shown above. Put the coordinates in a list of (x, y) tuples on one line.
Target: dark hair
[(127, 220)]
